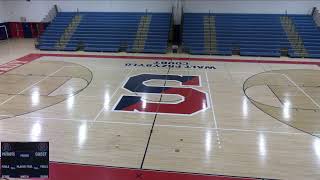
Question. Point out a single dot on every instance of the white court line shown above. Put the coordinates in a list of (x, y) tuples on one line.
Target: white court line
[(32, 85), (111, 97), (173, 126), (104, 68), (227, 129), (308, 96), (84, 120), (302, 91), (3, 115), (214, 115), (211, 102)]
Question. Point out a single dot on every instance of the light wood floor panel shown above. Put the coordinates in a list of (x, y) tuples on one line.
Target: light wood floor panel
[(81, 141), (269, 155), (246, 129)]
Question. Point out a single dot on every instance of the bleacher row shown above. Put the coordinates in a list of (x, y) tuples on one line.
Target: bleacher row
[(310, 34), (250, 34), (107, 32)]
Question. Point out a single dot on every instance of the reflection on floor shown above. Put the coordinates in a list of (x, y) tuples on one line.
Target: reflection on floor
[(247, 119)]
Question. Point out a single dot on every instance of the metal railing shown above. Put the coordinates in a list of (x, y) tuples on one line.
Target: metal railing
[(293, 36), (51, 14), (316, 16), (142, 33), (210, 34), (68, 32), (47, 19)]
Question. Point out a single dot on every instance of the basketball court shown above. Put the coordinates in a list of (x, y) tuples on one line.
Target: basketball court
[(242, 118)]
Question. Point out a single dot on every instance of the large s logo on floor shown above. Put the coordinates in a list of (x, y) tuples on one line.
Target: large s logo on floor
[(190, 102)]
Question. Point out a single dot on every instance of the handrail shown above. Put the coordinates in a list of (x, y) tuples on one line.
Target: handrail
[(182, 27), (47, 19), (68, 31), (51, 14), (316, 16), (293, 36), (171, 26), (142, 33)]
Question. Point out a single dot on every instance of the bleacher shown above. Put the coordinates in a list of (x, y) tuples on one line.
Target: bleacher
[(105, 32), (108, 32), (248, 34), (193, 33), (54, 31), (309, 33), (251, 34), (157, 40)]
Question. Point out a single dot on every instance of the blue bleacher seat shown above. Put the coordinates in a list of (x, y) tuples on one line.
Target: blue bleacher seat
[(252, 34), (107, 32), (309, 33)]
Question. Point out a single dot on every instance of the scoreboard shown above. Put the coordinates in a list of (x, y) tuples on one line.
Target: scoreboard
[(25, 159)]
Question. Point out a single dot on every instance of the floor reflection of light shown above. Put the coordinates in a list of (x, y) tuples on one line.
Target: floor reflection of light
[(244, 106), (262, 145), (106, 100), (204, 104), (70, 100), (316, 146), (286, 110), (35, 131), (35, 96), (82, 133), (144, 103), (208, 142), (70, 90)]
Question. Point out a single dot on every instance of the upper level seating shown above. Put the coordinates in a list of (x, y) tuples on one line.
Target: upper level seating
[(108, 32), (309, 33), (252, 34)]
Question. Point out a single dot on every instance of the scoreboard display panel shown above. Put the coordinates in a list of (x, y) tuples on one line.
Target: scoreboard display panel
[(25, 159)]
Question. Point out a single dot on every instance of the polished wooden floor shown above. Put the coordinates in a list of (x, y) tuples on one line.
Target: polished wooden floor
[(257, 120)]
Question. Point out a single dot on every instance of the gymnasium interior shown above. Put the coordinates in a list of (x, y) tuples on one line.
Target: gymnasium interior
[(161, 89)]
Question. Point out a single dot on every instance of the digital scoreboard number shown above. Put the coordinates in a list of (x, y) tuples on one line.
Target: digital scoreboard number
[(25, 159)]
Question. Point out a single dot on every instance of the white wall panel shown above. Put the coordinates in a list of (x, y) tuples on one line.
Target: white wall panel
[(251, 6), (35, 10), (2, 13)]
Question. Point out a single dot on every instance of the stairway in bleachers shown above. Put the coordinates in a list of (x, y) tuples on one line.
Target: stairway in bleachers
[(142, 34), (106, 32), (157, 37), (55, 30), (310, 34), (68, 32), (210, 42), (294, 37), (252, 35), (109, 32)]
